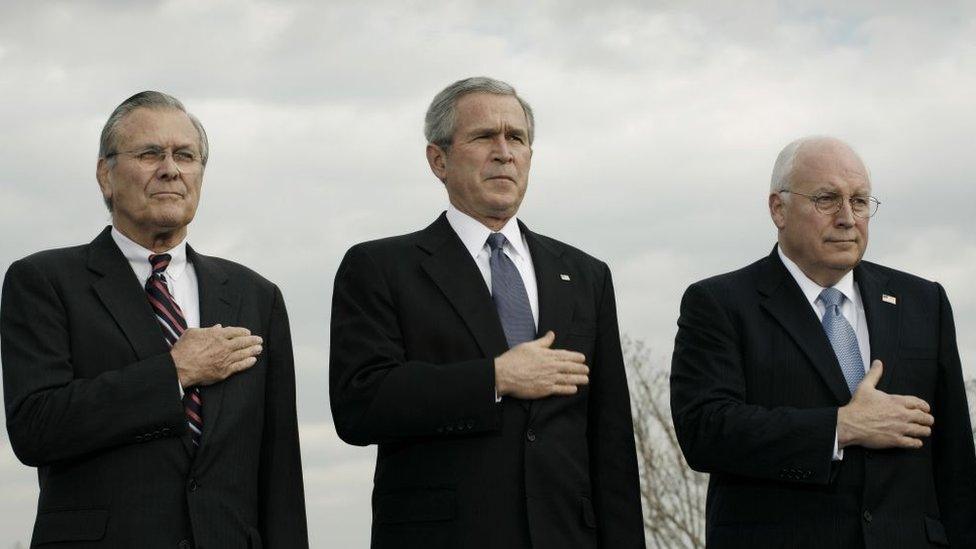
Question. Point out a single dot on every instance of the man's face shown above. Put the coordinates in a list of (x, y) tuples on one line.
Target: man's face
[(825, 247), (153, 197), (486, 169)]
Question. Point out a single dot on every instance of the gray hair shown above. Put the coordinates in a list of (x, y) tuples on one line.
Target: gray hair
[(108, 144), (439, 123), (783, 168)]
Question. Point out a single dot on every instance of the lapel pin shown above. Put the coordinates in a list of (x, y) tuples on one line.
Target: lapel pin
[(564, 276), (889, 299)]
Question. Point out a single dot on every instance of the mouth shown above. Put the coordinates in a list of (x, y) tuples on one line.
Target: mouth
[(841, 241), (166, 194), (502, 178)]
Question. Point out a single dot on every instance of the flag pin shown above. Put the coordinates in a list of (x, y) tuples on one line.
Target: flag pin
[(889, 299), (564, 276)]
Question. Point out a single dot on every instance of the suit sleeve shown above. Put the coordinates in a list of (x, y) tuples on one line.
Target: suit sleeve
[(719, 432), (378, 393), (51, 414), (282, 495), (952, 438), (613, 456)]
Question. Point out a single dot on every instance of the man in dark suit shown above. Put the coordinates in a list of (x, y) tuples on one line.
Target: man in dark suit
[(148, 430), (489, 435), (823, 393)]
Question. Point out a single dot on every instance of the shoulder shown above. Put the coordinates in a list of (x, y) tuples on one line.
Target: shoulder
[(737, 280), (236, 273), (903, 285), (53, 262), (569, 253)]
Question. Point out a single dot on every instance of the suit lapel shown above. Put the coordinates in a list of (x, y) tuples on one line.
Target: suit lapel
[(783, 299), (882, 318), (124, 297), (219, 304), (452, 269), (555, 294)]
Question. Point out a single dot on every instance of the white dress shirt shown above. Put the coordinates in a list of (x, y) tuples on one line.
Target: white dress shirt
[(852, 308), (474, 236), (181, 278)]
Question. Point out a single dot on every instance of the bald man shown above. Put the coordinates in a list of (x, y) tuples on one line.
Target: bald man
[(823, 393)]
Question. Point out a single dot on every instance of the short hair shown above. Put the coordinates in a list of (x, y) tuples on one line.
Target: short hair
[(441, 118), (108, 143), (783, 168)]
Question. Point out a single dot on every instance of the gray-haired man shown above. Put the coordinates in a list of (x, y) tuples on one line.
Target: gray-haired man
[(152, 387), (484, 359)]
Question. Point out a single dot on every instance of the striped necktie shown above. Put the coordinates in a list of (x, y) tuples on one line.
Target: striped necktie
[(173, 324)]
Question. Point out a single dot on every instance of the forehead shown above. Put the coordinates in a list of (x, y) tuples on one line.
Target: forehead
[(166, 127), (831, 165), (489, 109)]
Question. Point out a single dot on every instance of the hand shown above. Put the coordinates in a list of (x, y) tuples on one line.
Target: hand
[(532, 370), (875, 419), (204, 356)]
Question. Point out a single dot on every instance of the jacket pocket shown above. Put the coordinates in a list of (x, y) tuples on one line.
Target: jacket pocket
[(414, 506), (69, 525), (935, 531)]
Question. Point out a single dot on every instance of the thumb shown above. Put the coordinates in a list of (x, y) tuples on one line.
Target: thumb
[(546, 340), (873, 375)]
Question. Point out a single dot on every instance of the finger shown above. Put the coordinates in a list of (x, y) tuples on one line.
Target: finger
[(921, 418), (245, 341), (564, 390), (907, 442), (873, 375), (913, 403), (241, 354), (547, 339), (572, 368), (574, 379), (231, 332), (568, 356), (241, 365), (917, 431)]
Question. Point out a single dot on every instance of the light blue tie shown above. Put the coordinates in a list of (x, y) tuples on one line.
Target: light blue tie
[(508, 293), (842, 338)]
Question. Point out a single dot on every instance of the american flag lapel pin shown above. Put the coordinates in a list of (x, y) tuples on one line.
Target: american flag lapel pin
[(889, 299), (564, 277)]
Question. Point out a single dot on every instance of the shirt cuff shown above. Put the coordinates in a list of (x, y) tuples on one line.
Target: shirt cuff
[(838, 451)]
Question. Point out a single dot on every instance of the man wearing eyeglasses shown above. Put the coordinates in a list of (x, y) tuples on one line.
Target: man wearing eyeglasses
[(152, 387), (823, 393)]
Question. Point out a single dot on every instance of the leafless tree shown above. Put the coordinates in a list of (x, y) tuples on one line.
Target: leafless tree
[(673, 494)]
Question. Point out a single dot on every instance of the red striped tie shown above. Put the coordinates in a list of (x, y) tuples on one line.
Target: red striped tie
[(173, 324)]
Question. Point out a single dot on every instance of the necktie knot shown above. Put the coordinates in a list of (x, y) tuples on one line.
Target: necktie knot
[(496, 241), (159, 263), (831, 297)]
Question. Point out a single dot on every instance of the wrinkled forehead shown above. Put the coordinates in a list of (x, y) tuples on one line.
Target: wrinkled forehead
[(165, 127), (490, 110)]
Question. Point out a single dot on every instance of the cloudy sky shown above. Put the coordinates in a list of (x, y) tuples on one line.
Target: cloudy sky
[(657, 127)]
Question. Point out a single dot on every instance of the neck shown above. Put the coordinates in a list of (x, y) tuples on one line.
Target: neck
[(153, 239), (825, 278), (495, 223)]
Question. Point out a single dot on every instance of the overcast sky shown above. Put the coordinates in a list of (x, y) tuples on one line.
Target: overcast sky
[(657, 127)]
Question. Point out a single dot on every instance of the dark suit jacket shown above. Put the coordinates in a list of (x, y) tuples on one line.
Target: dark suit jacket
[(414, 336), (93, 401), (755, 388)]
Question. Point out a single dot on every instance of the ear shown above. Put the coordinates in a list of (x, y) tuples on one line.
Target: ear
[(437, 158), (101, 174), (777, 210)]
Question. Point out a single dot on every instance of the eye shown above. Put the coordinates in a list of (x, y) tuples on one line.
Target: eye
[(150, 155), (860, 202), (184, 157), (516, 137), (826, 199)]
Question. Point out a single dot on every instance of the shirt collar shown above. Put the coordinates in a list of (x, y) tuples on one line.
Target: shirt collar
[(135, 253), (474, 235), (810, 288)]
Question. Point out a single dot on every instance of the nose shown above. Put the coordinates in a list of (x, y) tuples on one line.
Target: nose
[(845, 216), (168, 168), (501, 152)]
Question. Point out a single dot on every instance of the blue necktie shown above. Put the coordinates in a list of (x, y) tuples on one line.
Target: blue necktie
[(508, 293), (842, 338)]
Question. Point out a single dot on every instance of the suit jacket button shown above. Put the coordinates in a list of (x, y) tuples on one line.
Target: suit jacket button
[(530, 434), (184, 544), (450, 428), (139, 438), (867, 516), (470, 424), (192, 485)]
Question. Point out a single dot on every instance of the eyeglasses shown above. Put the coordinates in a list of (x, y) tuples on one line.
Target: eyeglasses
[(831, 203), (149, 158)]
